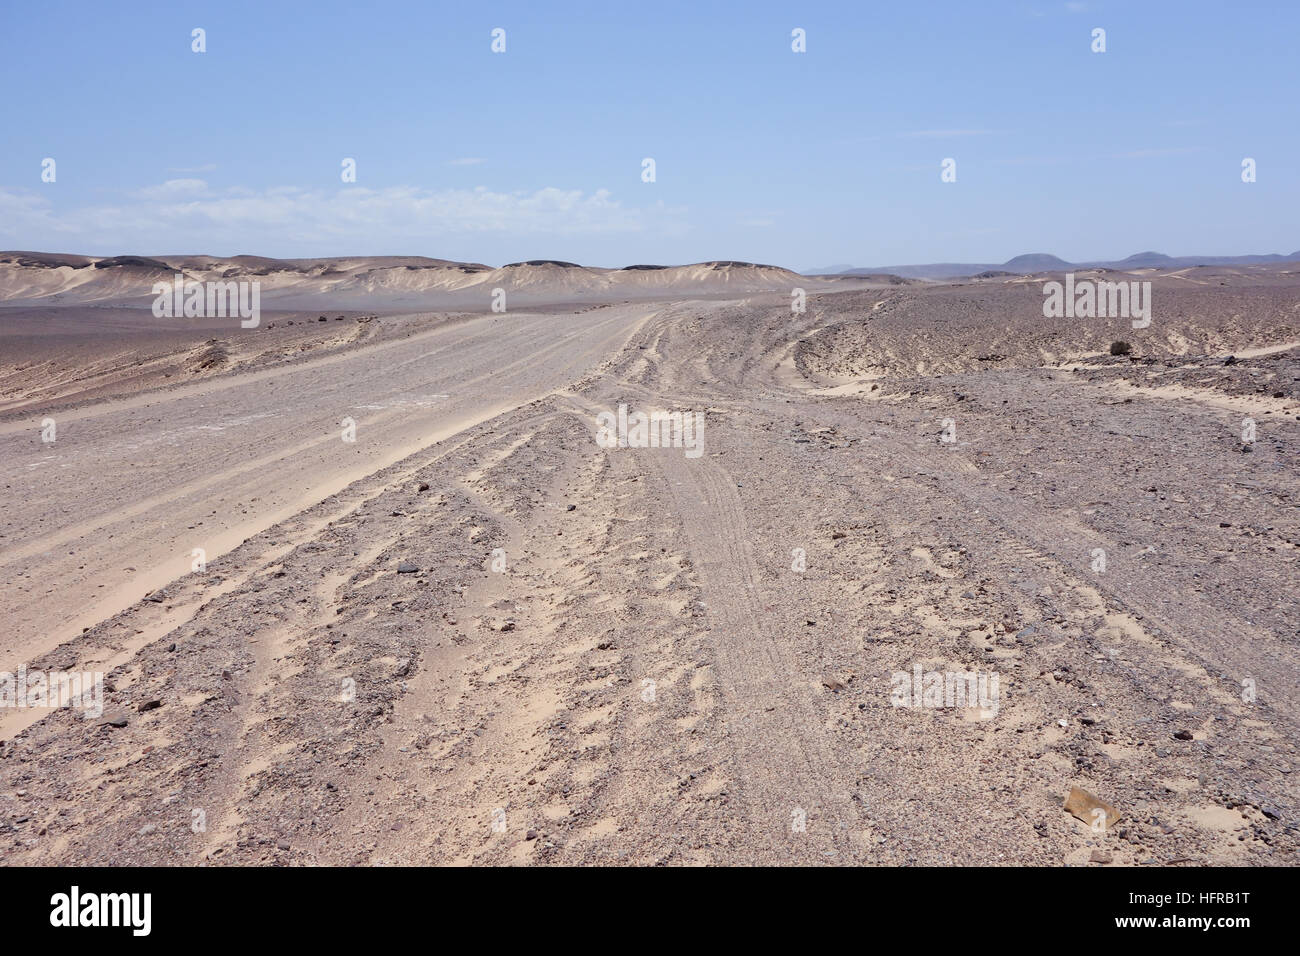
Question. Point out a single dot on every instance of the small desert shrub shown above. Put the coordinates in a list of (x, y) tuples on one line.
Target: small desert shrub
[(1120, 348)]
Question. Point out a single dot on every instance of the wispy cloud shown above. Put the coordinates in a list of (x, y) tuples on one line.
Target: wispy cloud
[(187, 213), (1152, 153), (1033, 160), (944, 133), (174, 189), (209, 167)]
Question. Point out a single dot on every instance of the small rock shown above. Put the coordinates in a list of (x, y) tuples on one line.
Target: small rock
[(148, 705), (1081, 804), (1100, 856), (1183, 735), (407, 567)]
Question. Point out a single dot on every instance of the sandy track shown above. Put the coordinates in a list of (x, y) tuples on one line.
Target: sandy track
[(209, 466)]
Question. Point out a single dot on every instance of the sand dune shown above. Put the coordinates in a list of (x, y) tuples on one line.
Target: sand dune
[(384, 282)]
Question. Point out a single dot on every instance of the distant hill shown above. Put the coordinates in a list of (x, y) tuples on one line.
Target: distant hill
[(379, 282), (1146, 259), (1035, 262)]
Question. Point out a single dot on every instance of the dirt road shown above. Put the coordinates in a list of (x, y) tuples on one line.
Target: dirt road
[(130, 488)]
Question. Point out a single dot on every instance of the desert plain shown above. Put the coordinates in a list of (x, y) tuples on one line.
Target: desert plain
[(460, 630)]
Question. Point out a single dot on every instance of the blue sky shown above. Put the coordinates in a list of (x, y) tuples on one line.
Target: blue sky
[(763, 154)]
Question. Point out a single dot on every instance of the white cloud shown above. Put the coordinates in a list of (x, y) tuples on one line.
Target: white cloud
[(187, 214), (29, 211), (173, 189)]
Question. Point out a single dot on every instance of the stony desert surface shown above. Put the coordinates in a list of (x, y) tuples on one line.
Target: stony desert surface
[(474, 635)]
